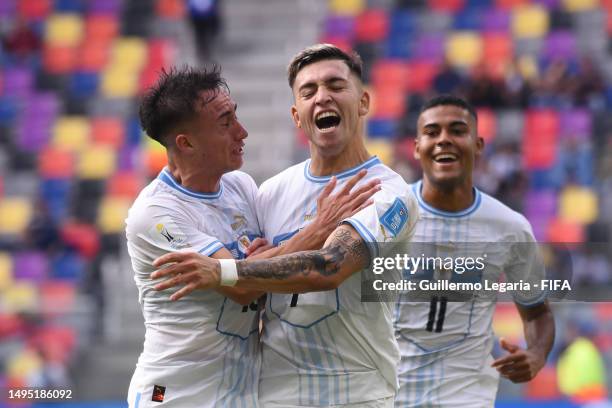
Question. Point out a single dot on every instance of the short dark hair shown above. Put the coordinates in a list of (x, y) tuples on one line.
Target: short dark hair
[(321, 52), (176, 98), (442, 100)]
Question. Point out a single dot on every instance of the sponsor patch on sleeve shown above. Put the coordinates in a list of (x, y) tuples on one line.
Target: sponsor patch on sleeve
[(395, 217)]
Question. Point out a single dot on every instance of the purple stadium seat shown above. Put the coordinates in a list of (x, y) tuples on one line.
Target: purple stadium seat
[(33, 134), (128, 158), (576, 124), (495, 19), (105, 6), (549, 4), (560, 45), (429, 47), (18, 82), (30, 265), (7, 8), (540, 208), (340, 26)]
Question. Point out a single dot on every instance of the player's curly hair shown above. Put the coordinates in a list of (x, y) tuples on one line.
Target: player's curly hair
[(321, 52), (176, 98)]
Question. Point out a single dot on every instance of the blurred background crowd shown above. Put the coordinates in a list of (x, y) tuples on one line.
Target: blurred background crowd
[(73, 156)]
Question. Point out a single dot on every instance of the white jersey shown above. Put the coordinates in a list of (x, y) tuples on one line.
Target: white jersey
[(446, 345), (201, 350), (328, 348)]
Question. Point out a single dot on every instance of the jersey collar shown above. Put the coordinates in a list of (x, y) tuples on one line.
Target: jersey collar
[(372, 161), (165, 177), (417, 189)]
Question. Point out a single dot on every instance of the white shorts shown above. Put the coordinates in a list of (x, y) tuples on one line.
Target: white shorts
[(379, 403), (461, 376)]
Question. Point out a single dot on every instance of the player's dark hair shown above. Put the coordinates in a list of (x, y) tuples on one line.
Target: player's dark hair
[(443, 100), (321, 52), (176, 98)]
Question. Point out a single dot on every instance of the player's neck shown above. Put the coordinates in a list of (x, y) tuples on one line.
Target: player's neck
[(194, 179), (325, 165), (452, 198)]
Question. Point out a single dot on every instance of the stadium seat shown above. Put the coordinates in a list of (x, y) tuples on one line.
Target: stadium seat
[(560, 45), (33, 9), (498, 52), (429, 47), (6, 271), (20, 297), (30, 265), (108, 131), (540, 138), (112, 214), (510, 4), (128, 54), (577, 6), (94, 55), (339, 26), (371, 26), (449, 6), (464, 49), (388, 73), (576, 124), (469, 19), (56, 195), (64, 30), (67, 266), (161, 54), (18, 82), (55, 163), (10, 325), (578, 204), (111, 7), (507, 322), (388, 102), (66, 6), (7, 8), (529, 22), (382, 149), (487, 124), (101, 27), (155, 157), (170, 9), (84, 84), (83, 237), (347, 7), (119, 83), (15, 215), (544, 386), (420, 75), (564, 231), (96, 162), (126, 184), (71, 133), (60, 59), (495, 20), (399, 47), (8, 110), (382, 128)]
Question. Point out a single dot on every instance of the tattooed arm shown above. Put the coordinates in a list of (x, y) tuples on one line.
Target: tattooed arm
[(343, 254)]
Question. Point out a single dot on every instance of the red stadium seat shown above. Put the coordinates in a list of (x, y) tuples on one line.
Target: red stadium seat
[(389, 102), (55, 163), (34, 9), (108, 131), (372, 26), (564, 231), (540, 138), (487, 124), (57, 297), (509, 4), (124, 184), (390, 73), (451, 6), (83, 237), (162, 53), (498, 50), (101, 27), (55, 342), (341, 42), (543, 386), (420, 76), (60, 59), (170, 9), (94, 55)]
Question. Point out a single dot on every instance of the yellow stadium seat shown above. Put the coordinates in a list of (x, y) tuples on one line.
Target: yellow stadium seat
[(464, 49), (6, 271), (24, 364), (346, 7), (119, 83), (64, 30), (20, 297), (530, 22), (578, 204), (15, 215), (382, 149), (96, 162), (112, 214), (575, 6), (528, 67), (129, 54), (71, 133)]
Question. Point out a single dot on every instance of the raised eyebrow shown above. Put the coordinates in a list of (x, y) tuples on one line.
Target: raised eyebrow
[(228, 112)]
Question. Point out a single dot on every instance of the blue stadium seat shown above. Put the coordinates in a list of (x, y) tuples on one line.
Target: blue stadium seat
[(382, 128), (468, 19), (56, 194), (84, 84), (69, 6), (68, 265)]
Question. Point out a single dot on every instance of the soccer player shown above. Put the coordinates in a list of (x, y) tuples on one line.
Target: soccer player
[(446, 345), (203, 351), (324, 347)]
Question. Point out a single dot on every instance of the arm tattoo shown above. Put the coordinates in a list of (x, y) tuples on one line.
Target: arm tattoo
[(326, 261)]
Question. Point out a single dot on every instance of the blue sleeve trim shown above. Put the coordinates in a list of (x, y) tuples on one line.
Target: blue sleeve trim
[(367, 236), (211, 248)]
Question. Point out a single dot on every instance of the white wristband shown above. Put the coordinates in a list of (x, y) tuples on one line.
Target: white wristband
[(229, 272)]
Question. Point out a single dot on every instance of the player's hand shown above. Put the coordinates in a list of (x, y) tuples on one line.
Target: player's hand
[(520, 365), (331, 209), (258, 245), (188, 269)]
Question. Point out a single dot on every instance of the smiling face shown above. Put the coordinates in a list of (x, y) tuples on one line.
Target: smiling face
[(447, 146), (330, 104), (216, 137)]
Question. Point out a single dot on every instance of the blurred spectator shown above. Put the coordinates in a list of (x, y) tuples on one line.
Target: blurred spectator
[(447, 80), (206, 23), (483, 90)]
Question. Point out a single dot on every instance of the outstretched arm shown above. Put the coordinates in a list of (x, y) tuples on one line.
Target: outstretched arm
[(522, 365), (343, 254)]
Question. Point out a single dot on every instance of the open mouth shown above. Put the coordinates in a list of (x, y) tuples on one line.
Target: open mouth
[(445, 158), (327, 121)]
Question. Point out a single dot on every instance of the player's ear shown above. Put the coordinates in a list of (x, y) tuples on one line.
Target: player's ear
[(479, 145), (295, 116), (416, 153), (182, 142), (364, 103)]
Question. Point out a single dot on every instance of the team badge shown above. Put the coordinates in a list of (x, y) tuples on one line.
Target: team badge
[(158, 393)]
